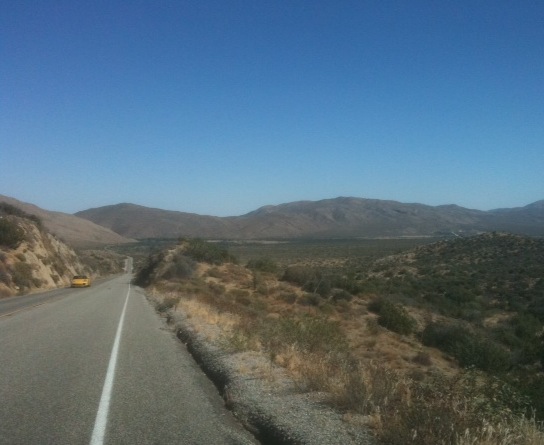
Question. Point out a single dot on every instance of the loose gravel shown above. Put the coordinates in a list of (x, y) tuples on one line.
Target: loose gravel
[(264, 399)]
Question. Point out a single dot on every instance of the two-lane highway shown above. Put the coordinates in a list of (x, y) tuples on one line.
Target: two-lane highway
[(97, 366)]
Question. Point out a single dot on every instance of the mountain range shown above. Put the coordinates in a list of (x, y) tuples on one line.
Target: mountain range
[(345, 217), (327, 218)]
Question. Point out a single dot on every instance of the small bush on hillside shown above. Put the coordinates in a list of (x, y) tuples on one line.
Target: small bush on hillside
[(144, 276), (22, 275), (288, 297), (205, 252), (469, 409), (5, 276), (423, 358), (167, 304), (300, 275), (180, 268), (11, 235), (393, 316), (309, 299), (307, 334), (341, 295), (468, 347), (263, 265), (312, 280)]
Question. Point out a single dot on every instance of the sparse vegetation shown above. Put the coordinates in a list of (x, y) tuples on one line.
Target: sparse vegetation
[(465, 314), (22, 275), (8, 209), (393, 317), (11, 234)]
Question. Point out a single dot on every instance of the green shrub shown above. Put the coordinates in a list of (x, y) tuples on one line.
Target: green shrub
[(144, 276), (203, 251), (310, 300), (181, 267), (470, 348), (263, 265), (395, 318), (341, 295), (300, 275), (288, 297), (309, 334), (11, 235)]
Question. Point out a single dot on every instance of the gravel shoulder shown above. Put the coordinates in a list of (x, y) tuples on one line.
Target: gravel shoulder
[(263, 398)]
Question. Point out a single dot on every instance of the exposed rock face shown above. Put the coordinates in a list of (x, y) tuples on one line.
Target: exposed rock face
[(39, 262)]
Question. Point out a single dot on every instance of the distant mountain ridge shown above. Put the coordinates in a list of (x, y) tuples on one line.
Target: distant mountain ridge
[(337, 217)]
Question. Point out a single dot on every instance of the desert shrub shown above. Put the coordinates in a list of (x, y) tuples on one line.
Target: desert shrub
[(5, 276), (372, 326), (288, 297), (214, 272), (467, 346), (341, 295), (181, 267), (423, 358), (22, 275), (205, 252), (375, 305), (167, 303), (216, 288), (241, 296), (144, 276), (307, 334), (11, 235), (446, 410), (310, 299), (263, 265), (395, 318), (298, 275), (319, 284)]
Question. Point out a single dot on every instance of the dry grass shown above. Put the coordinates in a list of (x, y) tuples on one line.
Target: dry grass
[(388, 382)]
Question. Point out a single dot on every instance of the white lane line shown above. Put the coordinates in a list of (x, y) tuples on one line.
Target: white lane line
[(101, 420)]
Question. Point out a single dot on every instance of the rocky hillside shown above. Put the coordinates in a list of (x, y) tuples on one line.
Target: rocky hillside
[(329, 218), (32, 259), (77, 232)]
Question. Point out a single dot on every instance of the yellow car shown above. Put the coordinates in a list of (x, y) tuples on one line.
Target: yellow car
[(81, 281)]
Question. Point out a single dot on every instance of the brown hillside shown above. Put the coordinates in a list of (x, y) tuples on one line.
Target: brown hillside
[(77, 232)]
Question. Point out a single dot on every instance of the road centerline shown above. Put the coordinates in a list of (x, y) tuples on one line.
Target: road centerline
[(101, 420)]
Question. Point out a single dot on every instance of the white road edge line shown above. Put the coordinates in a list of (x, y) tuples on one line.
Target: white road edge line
[(99, 430)]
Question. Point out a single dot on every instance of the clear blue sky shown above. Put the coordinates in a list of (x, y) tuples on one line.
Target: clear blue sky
[(220, 107)]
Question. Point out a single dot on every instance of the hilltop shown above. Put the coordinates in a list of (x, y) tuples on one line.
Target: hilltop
[(77, 232)]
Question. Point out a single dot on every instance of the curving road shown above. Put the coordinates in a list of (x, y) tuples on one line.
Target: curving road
[(98, 366)]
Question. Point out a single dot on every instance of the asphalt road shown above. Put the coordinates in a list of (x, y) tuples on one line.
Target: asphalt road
[(98, 366)]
